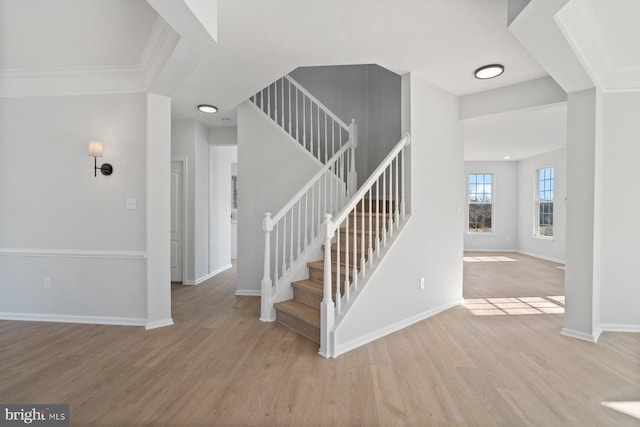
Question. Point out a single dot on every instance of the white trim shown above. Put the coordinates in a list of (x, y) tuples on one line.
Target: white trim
[(584, 336), (158, 324), (160, 45), (619, 327), (70, 318), (73, 253), (207, 276), (377, 334), (248, 293), (513, 250), (548, 258)]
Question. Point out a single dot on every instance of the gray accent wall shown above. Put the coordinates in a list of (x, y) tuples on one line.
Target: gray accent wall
[(367, 93)]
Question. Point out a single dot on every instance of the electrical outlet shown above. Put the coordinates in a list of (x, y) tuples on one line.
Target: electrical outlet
[(46, 283), (422, 283)]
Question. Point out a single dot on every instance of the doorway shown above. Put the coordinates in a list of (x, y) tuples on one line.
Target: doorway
[(177, 221)]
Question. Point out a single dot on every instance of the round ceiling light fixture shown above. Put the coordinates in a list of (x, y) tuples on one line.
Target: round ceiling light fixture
[(489, 71), (207, 109)]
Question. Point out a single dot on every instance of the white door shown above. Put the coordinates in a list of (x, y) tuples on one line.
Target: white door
[(177, 177)]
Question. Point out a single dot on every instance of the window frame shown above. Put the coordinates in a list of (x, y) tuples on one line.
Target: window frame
[(537, 202), (492, 203)]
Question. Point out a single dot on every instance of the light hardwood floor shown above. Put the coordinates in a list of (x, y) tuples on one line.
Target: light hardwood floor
[(219, 365)]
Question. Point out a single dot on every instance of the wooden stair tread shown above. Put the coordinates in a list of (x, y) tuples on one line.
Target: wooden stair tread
[(300, 311)]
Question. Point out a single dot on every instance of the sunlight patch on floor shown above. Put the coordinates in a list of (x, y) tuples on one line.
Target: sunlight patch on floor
[(629, 408), (486, 258), (515, 306)]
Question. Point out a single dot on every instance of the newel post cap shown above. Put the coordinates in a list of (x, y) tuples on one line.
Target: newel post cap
[(329, 226), (267, 222)]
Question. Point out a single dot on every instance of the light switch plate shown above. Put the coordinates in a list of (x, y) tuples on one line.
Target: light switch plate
[(131, 203)]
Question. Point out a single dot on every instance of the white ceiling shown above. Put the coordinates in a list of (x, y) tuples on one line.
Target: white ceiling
[(68, 35), (518, 135), (259, 41), (444, 41)]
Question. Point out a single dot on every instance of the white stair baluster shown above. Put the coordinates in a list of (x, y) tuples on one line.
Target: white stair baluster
[(362, 238), (299, 221), (289, 96), (402, 204), (282, 103), (338, 281), (284, 245), (355, 248), (378, 217), (346, 261), (370, 253), (397, 205)]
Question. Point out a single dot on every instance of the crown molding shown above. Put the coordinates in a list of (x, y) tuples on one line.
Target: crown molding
[(161, 43), (581, 27), (28, 82)]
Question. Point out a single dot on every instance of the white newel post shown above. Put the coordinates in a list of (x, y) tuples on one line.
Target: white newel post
[(267, 312), (327, 307), (353, 176)]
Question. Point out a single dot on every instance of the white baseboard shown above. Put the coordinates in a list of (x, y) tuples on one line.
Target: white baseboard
[(67, 318), (208, 276), (490, 250), (617, 327), (72, 253), (248, 293), (584, 336), (558, 260), (158, 324), (372, 336)]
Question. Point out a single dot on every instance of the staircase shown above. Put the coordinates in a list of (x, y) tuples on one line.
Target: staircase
[(329, 232), (302, 313)]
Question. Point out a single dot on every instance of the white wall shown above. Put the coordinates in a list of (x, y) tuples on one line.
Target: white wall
[(431, 245), (505, 207), (368, 93), (59, 221), (189, 141), (158, 211), (619, 207), (581, 157), (201, 212), (222, 157), (554, 248), (223, 136), (271, 169)]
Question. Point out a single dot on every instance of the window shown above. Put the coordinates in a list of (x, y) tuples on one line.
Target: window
[(480, 203), (544, 203)]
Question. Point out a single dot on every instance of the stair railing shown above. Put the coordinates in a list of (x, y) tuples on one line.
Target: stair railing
[(306, 119), (297, 226), (361, 235)]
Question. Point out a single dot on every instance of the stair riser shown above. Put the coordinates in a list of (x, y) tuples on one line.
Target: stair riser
[(343, 257), (318, 275), (358, 246), (299, 326), (306, 297), (382, 204)]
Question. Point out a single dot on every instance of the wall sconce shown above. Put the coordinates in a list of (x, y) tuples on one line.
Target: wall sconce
[(95, 151)]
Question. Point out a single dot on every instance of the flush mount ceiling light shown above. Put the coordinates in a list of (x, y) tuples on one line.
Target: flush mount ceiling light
[(489, 71), (207, 109)]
